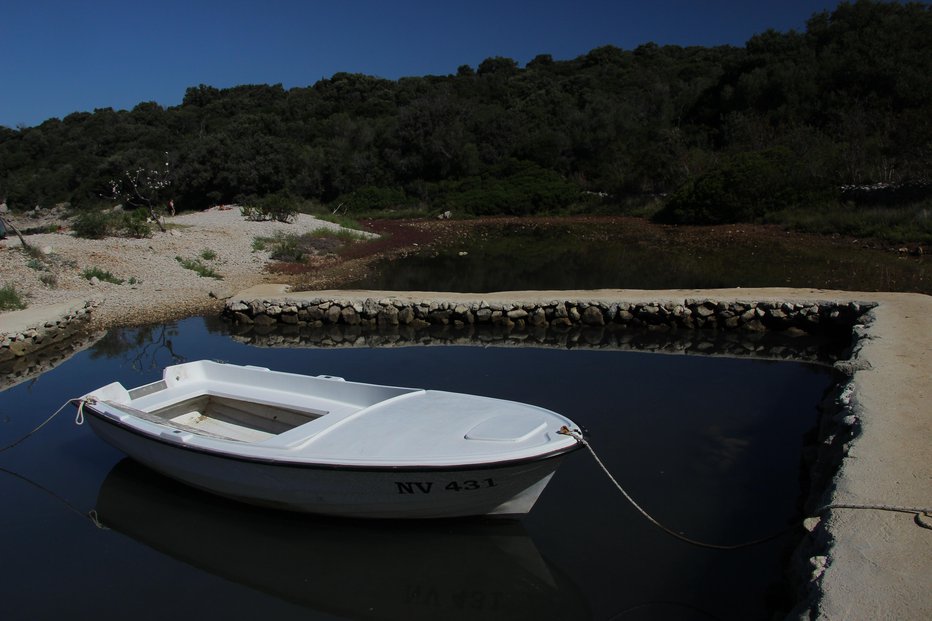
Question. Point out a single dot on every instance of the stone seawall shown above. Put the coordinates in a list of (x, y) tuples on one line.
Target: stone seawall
[(33, 341), (25, 332), (459, 311)]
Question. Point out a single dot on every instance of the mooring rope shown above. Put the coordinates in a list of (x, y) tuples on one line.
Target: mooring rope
[(79, 420), (917, 511), (90, 515), (579, 437)]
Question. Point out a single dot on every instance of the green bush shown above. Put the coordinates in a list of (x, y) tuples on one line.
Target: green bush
[(105, 276), (286, 248), (272, 207), (99, 224), (515, 188), (743, 188), (135, 224), (93, 224), (293, 248), (10, 299), (372, 198)]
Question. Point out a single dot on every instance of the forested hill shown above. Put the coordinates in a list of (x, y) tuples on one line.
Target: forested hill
[(725, 133)]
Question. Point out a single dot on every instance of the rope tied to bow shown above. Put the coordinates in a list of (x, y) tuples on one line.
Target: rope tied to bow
[(79, 419), (918, 511)]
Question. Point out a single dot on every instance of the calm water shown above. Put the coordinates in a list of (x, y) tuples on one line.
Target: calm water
[(710, 446), (504, 258)]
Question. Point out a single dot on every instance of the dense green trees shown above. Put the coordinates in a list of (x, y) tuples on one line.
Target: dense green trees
[(725, 133)]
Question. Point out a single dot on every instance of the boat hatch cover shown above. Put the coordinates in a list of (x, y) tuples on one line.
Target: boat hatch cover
[(507, 428)]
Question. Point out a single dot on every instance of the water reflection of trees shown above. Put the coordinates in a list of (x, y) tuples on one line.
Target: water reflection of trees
[(143, 346)]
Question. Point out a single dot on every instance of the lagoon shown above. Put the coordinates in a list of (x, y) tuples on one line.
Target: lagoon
[(633, 254), (713, 447)]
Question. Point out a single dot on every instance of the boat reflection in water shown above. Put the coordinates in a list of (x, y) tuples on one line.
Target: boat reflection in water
[(449, 569)]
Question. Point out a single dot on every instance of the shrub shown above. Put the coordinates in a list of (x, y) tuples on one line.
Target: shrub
[(99, 224), (135, 224), (515, 188), (271, 207), (293, 248), (287, 248), (742, 188), (204, 271), (372, 198), (10, 299), (102, 275), (93, 224)]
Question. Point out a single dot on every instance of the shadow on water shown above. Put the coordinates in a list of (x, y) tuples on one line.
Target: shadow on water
[(713, 446)]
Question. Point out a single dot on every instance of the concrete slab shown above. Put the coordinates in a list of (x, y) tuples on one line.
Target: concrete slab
[(13, 322)]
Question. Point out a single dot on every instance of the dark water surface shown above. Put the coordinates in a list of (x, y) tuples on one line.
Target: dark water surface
[(710, 446), (576, 256)]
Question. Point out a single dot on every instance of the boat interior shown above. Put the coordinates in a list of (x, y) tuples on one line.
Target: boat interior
[(246, 404), (234, 419)]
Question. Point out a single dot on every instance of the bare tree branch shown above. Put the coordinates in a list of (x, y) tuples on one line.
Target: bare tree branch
[(10, 226)]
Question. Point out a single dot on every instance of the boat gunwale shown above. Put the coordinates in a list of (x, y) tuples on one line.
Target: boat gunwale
[(312, 465)]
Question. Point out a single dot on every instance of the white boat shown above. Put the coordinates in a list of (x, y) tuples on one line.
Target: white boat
[(324, 445)]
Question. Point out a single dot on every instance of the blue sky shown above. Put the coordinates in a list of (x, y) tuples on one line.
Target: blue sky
[(58, 56)]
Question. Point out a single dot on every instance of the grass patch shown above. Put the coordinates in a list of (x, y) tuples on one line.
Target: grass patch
[(343, 220), (346, 235), (208, 255), (49, 280), (102, 275), (891, 224), (293, 248), (196, 266), (10, 299)]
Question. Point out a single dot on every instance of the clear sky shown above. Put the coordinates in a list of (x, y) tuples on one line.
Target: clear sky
[(62, 56)]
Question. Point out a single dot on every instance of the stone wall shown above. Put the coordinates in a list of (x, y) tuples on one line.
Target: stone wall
[(709, 314), (19, 346)]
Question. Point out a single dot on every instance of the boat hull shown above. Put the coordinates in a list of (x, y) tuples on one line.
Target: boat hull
[(498, 489)]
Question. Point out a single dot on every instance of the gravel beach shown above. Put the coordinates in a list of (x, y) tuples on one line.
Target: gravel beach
[(156, 286)]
